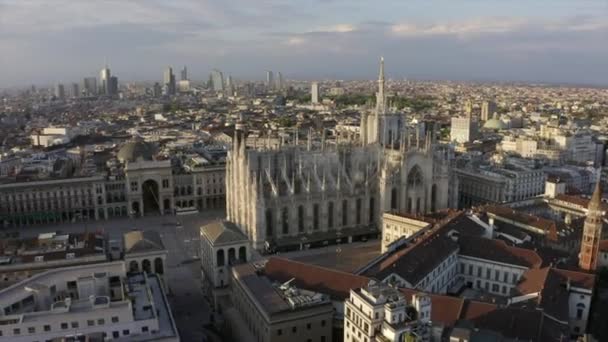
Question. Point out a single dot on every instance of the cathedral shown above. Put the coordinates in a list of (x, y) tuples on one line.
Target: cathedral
[(295, 197)]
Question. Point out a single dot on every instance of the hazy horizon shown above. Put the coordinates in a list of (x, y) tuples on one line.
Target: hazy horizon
[(547, 41)]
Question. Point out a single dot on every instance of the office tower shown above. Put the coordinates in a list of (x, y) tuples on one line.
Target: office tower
[(229, 86), (314, 93), (592, 231), (463, 129), (269, 79), (169, 81), (104, 78), (112, 86), (89, 85), (75, 90), (184, 74), (60, 91), (217, 79), (157, 90), (468, 108), (488, 108), (280, 81)]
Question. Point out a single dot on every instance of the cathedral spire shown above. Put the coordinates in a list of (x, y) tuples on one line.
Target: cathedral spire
[(381, 94), (595, 203)]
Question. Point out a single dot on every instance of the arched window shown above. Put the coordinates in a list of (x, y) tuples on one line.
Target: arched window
[(372, 210), (358, 211), (158, 266), (580, 309), (243, 254), (285, 220), (330, 214), (344, 212), (394, 199), (220, 258), (301, 218), (133, 266), (146, 266), (414, 178), (409, 204), (315, 216), (231, 255), (269, 223), (418, 207)]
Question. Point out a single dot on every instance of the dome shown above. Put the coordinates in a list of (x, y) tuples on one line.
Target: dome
[(136, 150), (495, 124)]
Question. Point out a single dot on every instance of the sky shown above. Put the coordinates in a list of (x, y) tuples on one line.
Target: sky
[(52, 41)]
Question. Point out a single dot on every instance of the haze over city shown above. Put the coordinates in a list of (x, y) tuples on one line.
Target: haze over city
[(540, 41)]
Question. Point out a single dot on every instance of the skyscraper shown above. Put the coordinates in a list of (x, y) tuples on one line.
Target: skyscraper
[(75, 90), (218, 80), (488, 108), (314, 93), (169, 81), (592, 231), (89, 85), (157, 90), (59, 91), (269, 80), (112, 86), (229, 85), (280, 81), (104, 78), (184, 74)]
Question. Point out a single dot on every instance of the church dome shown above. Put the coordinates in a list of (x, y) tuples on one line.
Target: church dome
[(136, 150), (495, 124)]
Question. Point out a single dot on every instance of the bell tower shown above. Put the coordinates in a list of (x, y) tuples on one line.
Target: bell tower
[(592, 231)]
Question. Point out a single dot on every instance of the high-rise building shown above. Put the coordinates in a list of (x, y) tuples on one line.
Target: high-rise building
[(468, 108), (217, 79), (75, 90), (112, 86), (184, 74), (104, 78), (463, 129), (89, 85), (269, 79), (59, 91), (169, 81), (488, 108), (280, 81), (592, 231), (314, 93), (157, 90), (229, 86)]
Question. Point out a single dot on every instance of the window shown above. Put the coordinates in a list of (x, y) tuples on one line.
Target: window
[(479, 271), (101, 321), (134, 186), (165, 183), (344, 212), (279, 332), (115, 334), (16, 331), (74, 324), (322, 338), (90, 323), (488, 273), (323, 323), (470, 269), (308, 326), (115, 319), (126, 332), (47, 327), (497, 275), (144, 329), (300, 219), (294, 330), (31, 330), (64, 326)]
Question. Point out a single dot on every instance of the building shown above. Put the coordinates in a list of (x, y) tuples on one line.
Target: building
[(75, 90), (217, 79), (592, 232), (295, 197), (222, 246), (89, 86), (169, 81), (112, 86), (139, 186), (280, 83), (104, 80), (380, 313), (270, 80), (184, 74), (60, 91), (314, 93), (84, 301), (463, 130), (397, 226), (144, 251), (23, 258), (267, 312), (488, 108)]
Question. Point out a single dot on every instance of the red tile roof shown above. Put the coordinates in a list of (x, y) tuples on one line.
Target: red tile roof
[(335, 283)]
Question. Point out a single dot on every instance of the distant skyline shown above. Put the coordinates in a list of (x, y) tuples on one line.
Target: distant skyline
[(553, 41)]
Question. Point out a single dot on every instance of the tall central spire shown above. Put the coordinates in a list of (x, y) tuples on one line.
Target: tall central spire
[(381, 95)]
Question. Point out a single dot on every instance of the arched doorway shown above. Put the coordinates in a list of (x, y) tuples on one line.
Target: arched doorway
[(150, 197), (158, 266), (135, 208), (133, 266), (146, 266)]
